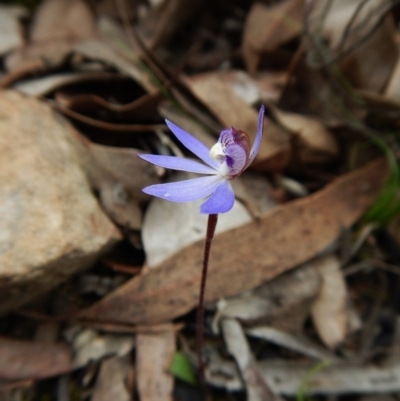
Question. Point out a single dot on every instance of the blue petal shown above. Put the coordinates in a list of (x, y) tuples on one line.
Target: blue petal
[(178, 163), (193, 144), (185, 191), (259, 135), (221, 201)]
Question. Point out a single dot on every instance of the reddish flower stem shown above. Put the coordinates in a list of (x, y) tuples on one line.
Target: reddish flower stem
[(211, 224)]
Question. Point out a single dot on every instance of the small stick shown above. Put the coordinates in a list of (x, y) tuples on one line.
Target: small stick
[(211, 224)]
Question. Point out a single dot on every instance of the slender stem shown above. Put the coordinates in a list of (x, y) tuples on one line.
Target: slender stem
[(211, 224)]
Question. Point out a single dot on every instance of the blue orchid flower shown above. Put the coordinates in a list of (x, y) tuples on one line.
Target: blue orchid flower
[(226, 160)]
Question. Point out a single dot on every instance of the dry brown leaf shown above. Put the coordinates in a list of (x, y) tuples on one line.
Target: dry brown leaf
[(232, 111), (270, 85), (268, 27), (242, 84), (57, 25), (33, 359), (35, 58), (264, 87), (154, 353), (63, 19), (329, 311), (283, 238), (315, 143)]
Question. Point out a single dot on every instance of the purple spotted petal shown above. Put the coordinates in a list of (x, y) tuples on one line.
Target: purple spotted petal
[(221, 201), (259, 135), (178, 163), (193, 144), (236, 159), (185, 191)]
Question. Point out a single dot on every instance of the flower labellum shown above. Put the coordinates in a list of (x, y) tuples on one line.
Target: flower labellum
[(226, 160)]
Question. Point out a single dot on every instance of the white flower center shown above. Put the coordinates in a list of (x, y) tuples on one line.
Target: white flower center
[(217, 152)]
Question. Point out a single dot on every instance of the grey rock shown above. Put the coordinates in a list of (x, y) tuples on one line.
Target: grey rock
[(51, 225)]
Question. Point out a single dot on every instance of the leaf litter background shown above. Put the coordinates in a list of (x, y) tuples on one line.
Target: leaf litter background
[(99, 283)]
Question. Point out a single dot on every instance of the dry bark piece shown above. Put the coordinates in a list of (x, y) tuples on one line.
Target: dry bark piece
[(329, 311), (268, 27), (33, 359), (232, 111), (111, 383), (154, 353), (264, 247), (51, 224), (256, 386)]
